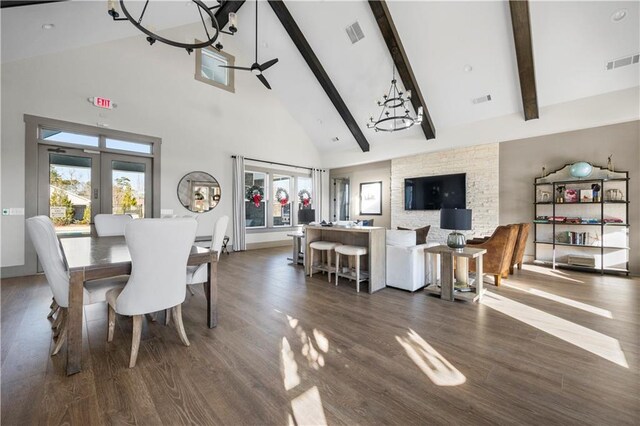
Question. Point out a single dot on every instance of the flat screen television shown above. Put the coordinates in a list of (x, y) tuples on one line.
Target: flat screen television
[(436, 192)]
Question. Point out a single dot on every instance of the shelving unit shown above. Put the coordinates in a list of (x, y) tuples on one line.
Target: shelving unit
[(608, 181)]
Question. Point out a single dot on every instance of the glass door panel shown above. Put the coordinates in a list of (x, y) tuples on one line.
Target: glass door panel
[(68, 189), (127, 185)]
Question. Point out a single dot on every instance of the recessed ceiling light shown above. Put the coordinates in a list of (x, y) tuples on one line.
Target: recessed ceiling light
[(48, 26), (468, 68), (619, 15)]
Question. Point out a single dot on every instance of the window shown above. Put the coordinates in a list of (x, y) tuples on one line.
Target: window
[(208, 69), (282, 191), (141, 147), (255, 199), (67, 137), (281, 210)]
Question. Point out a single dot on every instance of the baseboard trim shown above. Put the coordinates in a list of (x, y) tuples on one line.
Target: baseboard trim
[(269, 244)]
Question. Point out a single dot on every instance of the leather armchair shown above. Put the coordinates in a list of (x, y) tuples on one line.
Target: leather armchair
[(499, 254), (521, 243)]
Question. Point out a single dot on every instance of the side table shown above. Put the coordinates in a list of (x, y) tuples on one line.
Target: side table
[(447, 272), (296, 257)]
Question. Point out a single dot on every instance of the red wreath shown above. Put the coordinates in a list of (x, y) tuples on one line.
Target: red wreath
[(282, 196), (255, 194)]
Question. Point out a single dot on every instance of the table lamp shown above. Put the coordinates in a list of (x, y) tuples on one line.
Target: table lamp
[(456, 220)]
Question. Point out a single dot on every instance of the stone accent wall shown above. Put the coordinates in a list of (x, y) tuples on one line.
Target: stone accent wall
[(480, 163)]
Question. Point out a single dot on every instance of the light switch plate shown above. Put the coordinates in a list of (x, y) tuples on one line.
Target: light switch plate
[(164, 212), (16, 211)]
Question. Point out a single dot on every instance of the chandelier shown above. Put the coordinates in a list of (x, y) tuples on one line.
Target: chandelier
[(395, 110), (212, 30)]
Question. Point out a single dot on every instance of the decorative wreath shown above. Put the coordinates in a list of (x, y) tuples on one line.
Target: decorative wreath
[(305, 197), (282, 196), (255, 194)]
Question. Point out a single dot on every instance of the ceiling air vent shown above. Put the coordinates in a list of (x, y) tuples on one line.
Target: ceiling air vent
[(354, 32), (623, 62), (481, 99)]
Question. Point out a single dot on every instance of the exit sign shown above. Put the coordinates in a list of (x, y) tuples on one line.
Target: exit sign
[(102, 102)]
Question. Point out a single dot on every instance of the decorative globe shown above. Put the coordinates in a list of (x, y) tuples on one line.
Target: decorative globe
[(580, 169)]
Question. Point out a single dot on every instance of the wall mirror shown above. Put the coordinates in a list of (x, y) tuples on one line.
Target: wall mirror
[(199, 192)]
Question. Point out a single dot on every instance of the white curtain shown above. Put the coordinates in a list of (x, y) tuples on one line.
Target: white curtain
[(239, 224), (318, 192)]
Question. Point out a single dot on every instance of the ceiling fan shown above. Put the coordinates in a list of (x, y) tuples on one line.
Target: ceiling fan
[(257, 69)]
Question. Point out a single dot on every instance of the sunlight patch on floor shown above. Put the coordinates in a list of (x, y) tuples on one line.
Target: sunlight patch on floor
[(288, 365), (569, 302), (545, 270), (307, 408), (582, 337), (440, 371)]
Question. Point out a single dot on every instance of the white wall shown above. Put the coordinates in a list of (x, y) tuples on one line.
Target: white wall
[(200, 126), (481, 165)]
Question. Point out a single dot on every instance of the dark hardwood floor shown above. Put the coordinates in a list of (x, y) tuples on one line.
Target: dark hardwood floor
[(294, 351)]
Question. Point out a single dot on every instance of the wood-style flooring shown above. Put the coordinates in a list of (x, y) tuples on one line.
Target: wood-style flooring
[(290, 350)]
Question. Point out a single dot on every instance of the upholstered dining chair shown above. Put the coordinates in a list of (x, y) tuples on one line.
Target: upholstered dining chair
[(198, 274), (111, 225), (51, 256), (159, 251)]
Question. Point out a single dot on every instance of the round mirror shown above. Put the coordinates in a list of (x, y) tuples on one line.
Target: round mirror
[(199, 192)]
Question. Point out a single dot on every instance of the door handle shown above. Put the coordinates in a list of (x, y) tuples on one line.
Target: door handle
[(95, 193)]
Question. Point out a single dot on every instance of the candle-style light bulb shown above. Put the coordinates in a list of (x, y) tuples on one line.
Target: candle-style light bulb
[(111, 5), (233, 19)]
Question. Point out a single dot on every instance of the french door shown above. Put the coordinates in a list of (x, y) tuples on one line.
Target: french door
[(75, 184)]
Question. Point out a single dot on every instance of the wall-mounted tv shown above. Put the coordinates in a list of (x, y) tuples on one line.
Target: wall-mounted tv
[(436, 192)]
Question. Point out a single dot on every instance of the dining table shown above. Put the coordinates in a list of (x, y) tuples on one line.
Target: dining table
[(91, 258)]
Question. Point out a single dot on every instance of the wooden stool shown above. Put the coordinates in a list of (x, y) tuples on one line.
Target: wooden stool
[(323, 247), (351, 251)]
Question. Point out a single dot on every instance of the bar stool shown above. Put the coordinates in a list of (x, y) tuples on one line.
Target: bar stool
[(323, 247), (351, 251)]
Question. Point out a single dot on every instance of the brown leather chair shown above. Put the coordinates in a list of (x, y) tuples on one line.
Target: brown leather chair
[(521, 243), (497, 259)]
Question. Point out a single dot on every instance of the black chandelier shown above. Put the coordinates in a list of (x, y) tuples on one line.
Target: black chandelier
[(390, 118), (203, 10)]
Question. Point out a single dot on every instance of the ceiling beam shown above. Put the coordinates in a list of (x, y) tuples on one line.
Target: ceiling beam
[(401, 61), (314, 64), (15, 3), (222, 14), (521, 24)]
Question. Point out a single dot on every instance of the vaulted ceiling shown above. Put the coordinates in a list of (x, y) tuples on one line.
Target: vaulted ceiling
[(459, 51)]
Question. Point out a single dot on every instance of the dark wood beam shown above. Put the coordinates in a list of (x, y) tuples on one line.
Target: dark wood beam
[(314, 64), (222, 14), (401, 60), (521, 24), (15, 3)]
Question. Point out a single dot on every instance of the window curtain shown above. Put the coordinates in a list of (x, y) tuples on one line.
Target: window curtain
[(239, 224), (318, 192)]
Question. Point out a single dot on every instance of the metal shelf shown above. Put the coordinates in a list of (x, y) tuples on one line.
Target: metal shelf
[(582, 224), (580, 267), (581, 245), (581, 181)]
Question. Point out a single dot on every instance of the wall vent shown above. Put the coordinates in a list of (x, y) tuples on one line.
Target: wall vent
[(354, 32), (623, 62), (481, 99)]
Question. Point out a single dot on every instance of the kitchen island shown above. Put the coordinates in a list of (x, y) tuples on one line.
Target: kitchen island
[(371, 237)]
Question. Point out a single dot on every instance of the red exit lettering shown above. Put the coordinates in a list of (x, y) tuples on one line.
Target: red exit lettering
[(102, 102)]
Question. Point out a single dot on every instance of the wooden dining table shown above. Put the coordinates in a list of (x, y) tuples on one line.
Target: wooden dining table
[(92, 258)]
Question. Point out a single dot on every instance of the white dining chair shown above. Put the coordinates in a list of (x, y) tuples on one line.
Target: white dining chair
[(198, 274), (111, 225), (54, 264), (159, 251)]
